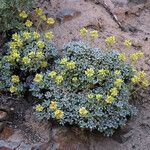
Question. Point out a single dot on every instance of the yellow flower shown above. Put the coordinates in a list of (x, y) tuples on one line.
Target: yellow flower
[(19, 43), (63, 73), (39, 54), (43, 64), (59, 79), (59, 114), (63, 61), (83, 32), (94, 34), (103, 72), (127, 43), (23, 14), (145, 83), (71, 65), (110, 40), (74, 79), (118, 82), (26, 35), (38, 78), (122, 57), (31, 54), (29, 23), (114, 91), (49, 35), (39, 108), (90, 96), (41, 44), (52, 74), (39, 11), (141, 74), (12, 45), (135, 79), (99, 97), (15, 54), (13, 89), (15, 79), (53, 105), (83, 112), (26, 60), (15, 37), (135, 56), (117, 72), (89, 72), (43, 17), (50, 21), (36, 35), (109, 99)]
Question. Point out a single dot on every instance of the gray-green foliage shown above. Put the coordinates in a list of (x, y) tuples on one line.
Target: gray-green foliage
[(71, 95), (9, 11), (25, 60)]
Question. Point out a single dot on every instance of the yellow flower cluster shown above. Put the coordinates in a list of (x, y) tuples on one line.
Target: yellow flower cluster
[(41, 44), (50, 21), (89, 72), (59, 114), (135, 79), (117, 73), (83, 112), (23, 14), (109, 99), (53, 105), (90, 96), (28, 23), (114, 91), (43, 64), (59, 79), (26, 35), (38, 78), (52, 74), (110, 40), (39, 11), (71, 65), (97, 96), (74, 79), (83, 32), (103, 72), (13, 89), (49, 35), (26, 60), (40, 54), (122, 57), (145, 83), (15, 79), (135, 56), (36, 35), (118, 83), (127, 43), (94, 34), (63, 61), (39, 108)]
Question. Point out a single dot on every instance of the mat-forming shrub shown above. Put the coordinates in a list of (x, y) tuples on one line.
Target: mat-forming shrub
[(89, 88), (28, 53), (9, 10)]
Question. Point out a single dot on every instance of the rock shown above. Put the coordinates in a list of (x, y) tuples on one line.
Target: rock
[(3, 115), (67, 14), (138, 1), (123, 134), (5, 148)]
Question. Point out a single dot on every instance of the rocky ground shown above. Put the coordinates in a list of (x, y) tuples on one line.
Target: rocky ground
[(130, 19)]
